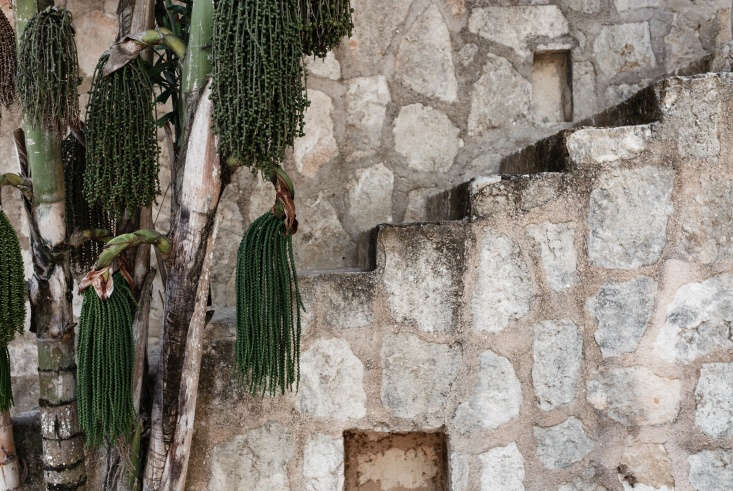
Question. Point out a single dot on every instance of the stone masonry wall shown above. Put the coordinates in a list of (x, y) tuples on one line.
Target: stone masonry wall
[(572, 333)]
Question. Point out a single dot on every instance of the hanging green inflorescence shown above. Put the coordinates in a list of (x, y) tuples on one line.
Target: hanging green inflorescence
[(8, 62), (12, 303), (259, 83), (267, 348), (122, 148), (105, 364), (325, 23), (48, 70), (79, 214)]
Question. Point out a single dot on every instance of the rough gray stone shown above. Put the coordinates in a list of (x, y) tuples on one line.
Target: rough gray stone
[(624, 5), (711, 470), (698, 320), (682, 45), (557, 250), (502, 468), (318, 146), (592, 146), (327, 67), (366, 107), (417, 200), (562, 445), (424, 61), (628, 216), (617, 93), (496, 397), (634, 395), (467, 53), (370, 198), (323, 463), (418, 376), (585, 101), (257, 460), (321, 241), (714, 395), (331, 382), (707, 220), (585, 6), (581, 485), (622, 311), (515, 26), (623, 48), (558, 355), (650, 467), (426, 138), (504, 290), (459, 470), (500, 98)]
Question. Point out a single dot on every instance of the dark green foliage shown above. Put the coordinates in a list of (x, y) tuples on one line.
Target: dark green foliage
[(48, 70), (325, 23), (8, 62), (6, 390), (259, 82), (122, 148), (268, 308), (105, 364), (79, 214), (12, 283)]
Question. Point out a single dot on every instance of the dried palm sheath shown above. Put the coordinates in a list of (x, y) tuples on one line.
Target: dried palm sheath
[(48, 70), (8, 62), (12, 302), (105, 364), (325, 23), (121, 145)]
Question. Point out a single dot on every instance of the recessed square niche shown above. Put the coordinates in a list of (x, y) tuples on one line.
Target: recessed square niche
[(552, 91), (377, 461)]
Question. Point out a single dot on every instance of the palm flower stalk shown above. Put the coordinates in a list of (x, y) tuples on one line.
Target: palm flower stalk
[(259, 83), (121, 146), (48, 70), (8, 62), (267, 348), (325, 23)]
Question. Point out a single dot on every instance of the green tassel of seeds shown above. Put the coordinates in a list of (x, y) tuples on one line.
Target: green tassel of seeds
[(122, 147), (258, 80), (8, 62), (48, 70), (267, 347), (325, 23), (79, 214), (105, 364)]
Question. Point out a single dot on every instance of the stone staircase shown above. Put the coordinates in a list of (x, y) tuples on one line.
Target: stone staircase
[(567, 324)]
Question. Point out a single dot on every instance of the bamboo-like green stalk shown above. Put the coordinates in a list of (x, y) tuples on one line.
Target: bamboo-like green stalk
[(197, 65)]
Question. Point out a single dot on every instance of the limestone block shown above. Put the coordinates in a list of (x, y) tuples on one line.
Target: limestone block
[(418, 376), (634, 395), (592, 146), (622, 311), (558, 355), (424, 61), (467, 53), (585, 101), (95, 33), (650, 467), (557, 249), (502, 468), (318, 146), (495, 399), (682, 45), (562, 445), (581, 485), (585, 6), (323, 463), (366, 107), (714, 395), (711, 470), (321, 241), (628, 215), (459, 469), (328, 67), (624, 5), (623, 48), (706, 219), (370, 197), (426, 138), (331, 382)]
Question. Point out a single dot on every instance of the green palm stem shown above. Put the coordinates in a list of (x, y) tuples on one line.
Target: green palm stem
[(115, 247)]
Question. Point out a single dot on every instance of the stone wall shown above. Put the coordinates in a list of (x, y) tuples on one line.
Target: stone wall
[(571, 333)]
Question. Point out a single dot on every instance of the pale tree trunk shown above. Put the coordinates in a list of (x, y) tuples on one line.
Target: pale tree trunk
[(50, 295), (9, 467)]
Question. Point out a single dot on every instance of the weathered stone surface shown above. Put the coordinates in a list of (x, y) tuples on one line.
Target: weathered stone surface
[(500, 98), (426, 138), (458, 465), (589, 146), (327, 67), (698, 320), (646, 467), (585, 101), (624, 5), (95, 32), (331, 382), (370, 197), (515, 26), (260, 198), (628, 217), (557, 249), (714, 395), (558, 354), (585, 6), (348, 301), (424, 61), (416, 204), (318, 146), (617, 93), (321, 241), (707, 220), (366, 106), (323, 463), (502, 468), (623, 48), (467, 53), (504, 290), (562, 445), (581, 485), (496, 397), (634, 396), (682, 45), (418, 376), (711, 470), (622, 311), (257, 460)]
